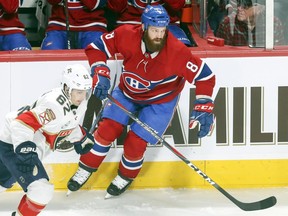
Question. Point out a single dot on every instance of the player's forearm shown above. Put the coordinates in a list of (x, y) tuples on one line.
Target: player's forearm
[(95, 55), (204, 89), (22, 132)]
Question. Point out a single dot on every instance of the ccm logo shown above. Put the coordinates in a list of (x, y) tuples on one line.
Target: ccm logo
[(204, 108), (27, 150)]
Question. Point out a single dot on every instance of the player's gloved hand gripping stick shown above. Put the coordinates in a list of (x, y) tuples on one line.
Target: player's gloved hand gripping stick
[(104, 101), (101, 80), (85, 144), (202, 113)]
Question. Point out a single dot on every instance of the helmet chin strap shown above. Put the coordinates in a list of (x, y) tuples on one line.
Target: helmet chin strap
[(68, 92)]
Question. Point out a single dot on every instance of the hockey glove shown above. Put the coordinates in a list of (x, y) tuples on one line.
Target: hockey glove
[(86, 143), (101, 80), (27, 157), (202, 113)]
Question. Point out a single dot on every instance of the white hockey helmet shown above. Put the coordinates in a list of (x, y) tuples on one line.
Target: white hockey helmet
[(77, 77)]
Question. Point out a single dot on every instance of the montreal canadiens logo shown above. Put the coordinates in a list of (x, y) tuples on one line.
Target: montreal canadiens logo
[(143, 3), (135, 83)]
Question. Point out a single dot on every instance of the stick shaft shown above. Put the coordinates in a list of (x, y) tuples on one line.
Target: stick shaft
[(262, 204), (67, 24)]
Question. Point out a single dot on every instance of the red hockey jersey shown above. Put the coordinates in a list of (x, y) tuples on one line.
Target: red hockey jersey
[(9, 21), (84, 15), (156, 77), (130, 11)]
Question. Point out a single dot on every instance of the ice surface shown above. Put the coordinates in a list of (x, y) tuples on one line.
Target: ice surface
[(150, 202)]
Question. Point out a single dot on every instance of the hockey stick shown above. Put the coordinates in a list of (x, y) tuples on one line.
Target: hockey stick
[(67, 24), (104, 102), (93, 127), (258, 205)]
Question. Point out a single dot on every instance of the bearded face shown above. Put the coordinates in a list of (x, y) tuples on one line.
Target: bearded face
[(155, 38)]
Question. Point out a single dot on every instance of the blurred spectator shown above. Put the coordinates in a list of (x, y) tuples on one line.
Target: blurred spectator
[(74, 24), (216, 11), (247, 27), (280, 11), (12, 35), (130, 11)]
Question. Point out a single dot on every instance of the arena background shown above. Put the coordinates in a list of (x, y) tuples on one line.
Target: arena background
[(248, 148)]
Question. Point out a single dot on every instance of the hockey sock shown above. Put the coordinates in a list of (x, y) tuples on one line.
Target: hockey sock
[(106, 133), (94, 158), (130, 168), (133, 157), (28, 208)]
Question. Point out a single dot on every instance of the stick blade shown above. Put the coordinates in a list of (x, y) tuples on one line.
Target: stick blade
[(262, 204)]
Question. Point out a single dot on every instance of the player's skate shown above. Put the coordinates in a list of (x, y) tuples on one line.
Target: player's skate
[(118, 186), (78, 180)]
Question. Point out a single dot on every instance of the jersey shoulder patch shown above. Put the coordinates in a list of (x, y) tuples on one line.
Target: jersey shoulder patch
[(48, 107), (47, 116)]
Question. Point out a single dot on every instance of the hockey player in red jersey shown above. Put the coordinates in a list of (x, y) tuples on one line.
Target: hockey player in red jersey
[(12, 35), (33, 132), (75, 24), (129, 12), (155, 69)]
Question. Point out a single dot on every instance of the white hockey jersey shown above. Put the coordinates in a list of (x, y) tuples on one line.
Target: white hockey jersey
[(48, 122)]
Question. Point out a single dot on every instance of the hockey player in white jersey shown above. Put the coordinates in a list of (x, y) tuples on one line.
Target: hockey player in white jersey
[(32, 132)]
